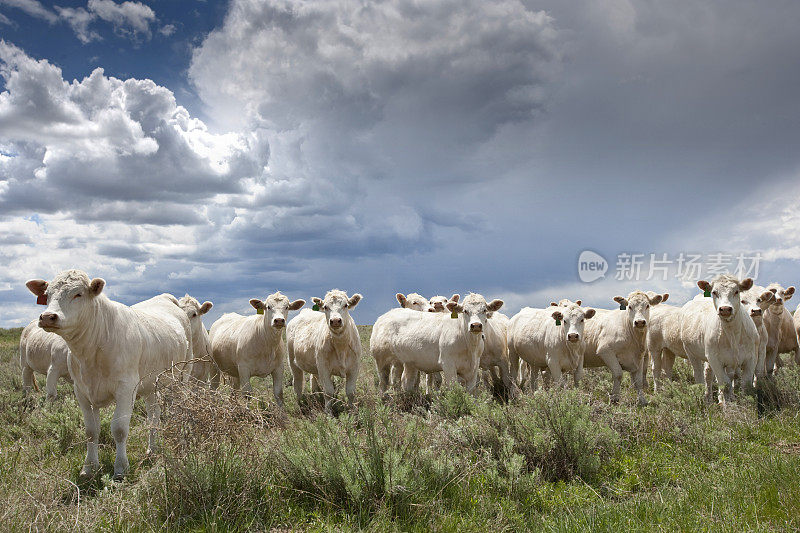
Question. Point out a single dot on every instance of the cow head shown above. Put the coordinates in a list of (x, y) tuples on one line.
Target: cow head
[(70, 297), (476, 310), (757, 305), (276, 308), (337, 307), (194, 312), (726, 294), (781, 295), (439, 303), (414, 301), (572, 318), (638, 305)]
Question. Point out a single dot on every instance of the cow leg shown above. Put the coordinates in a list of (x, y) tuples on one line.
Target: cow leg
[(397, 374), (52, 382), (508, 382), (638, 383), (614, 367), (748, 374), (298, 380), (91, 421), (409, 378), (645, 362), (153, 410), (657, 358), (315, 386), (351, 379), (697, 368), (449, 373), (579, 372), (214, 377), (555, 371), (244, 379), (27, 378), (120, 425), (324, 378), (384, 370), (772, 356), (277, 384), (723, 380), (471, 380), (534, 377)]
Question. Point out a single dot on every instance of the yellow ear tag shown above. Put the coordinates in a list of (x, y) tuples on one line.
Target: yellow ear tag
[(260, 311), (454, 314)]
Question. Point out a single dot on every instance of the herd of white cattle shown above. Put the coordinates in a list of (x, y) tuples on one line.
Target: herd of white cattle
[(113, 353)]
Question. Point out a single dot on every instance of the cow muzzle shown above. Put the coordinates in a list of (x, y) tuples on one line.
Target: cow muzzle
[(755, 312), (725, 311), (335, 323), (640, 323), (573, 337), (48, 321), (278, 322), (476, 327)]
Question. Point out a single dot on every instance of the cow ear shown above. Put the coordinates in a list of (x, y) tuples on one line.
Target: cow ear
[(353, 301), (704, 285), (401, 298), (96, 286), (655, 300), (746, 284), (578, 302), (588, 313), (453, 306), (495, 305), (205, 308), (621, 300), (297, 304), (37, 286), (317, 301), (788, 293), (557, 315), (553, 304), (256, 303), (664, 297), (766, 296), (455, 298)]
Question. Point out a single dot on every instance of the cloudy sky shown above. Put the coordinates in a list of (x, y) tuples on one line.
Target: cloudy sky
[(230, 149)]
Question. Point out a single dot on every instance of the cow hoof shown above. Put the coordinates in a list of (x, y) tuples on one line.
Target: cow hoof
[(119, 477), (88, 471)]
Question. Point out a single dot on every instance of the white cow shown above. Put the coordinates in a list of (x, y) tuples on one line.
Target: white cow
[(756, 305), (434, 342), (617, 339), (247, 346), (550, 339), (414, 301), (719, 332), (43, 353), (116, 354), (780, 327), (201, 344), (326, 343), (495, 352)]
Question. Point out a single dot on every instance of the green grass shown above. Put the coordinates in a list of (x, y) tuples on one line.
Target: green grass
[(554, 461)]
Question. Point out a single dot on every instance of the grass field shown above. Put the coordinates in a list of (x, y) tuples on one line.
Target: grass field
[(555, 461)]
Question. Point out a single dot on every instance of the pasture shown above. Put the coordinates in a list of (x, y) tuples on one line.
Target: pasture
[(555, 460)]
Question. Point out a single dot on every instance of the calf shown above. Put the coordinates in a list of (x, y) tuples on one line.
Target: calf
[(719, 332), (247, 346), (549, 339), (326, 343), (43, 353), (495, 352), (617, 339), (116, 354), (755, 305), (780, 327), (439, 303), (434, 342), (201, 343)]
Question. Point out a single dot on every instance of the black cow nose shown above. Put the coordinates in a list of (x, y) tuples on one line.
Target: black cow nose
[(476, 326), (279, 322), (725, 310), (336, 322), (640, 323), (573, 337)]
